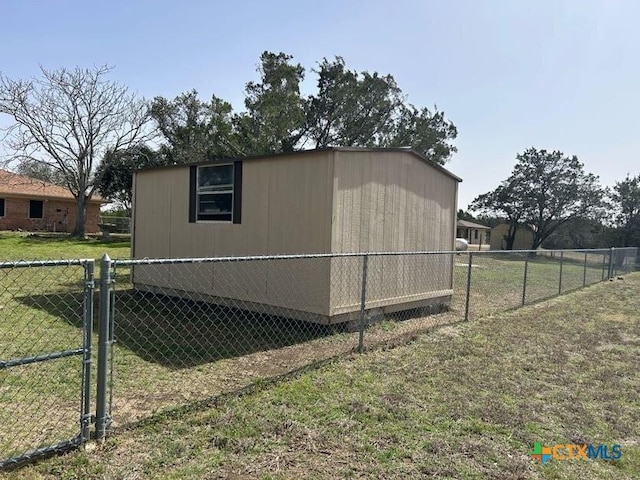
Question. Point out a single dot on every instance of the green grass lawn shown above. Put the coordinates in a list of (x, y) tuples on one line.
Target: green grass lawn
[(171, 353), (40, 313), (22, 246), (466, 401)]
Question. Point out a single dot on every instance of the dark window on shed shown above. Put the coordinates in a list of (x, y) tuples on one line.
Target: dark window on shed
[(1, 207), (215, 193), (36, 208)]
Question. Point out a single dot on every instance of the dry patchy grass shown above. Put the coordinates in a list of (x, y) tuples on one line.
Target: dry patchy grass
[(466, 401)]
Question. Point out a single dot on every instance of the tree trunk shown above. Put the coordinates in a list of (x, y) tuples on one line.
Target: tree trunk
[(79, 229), (510, 237)]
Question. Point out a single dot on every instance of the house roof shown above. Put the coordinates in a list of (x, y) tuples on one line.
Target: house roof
[(467, 224), (13, 184), (271, 156)]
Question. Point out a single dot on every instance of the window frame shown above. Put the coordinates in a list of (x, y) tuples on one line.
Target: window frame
[(3, 207), (41, 217), (224, 189), (234, 189)]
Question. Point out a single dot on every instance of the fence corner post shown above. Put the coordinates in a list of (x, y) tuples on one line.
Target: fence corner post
[(468, 295), (363, 299), (102, 420)]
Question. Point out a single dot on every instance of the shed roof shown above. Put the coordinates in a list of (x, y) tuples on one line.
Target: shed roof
[(316, 150), (13, 184), (468, 224)]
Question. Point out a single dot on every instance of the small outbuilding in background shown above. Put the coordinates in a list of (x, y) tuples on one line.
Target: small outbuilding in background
[(522, 240), (473, 233), (327, 201)]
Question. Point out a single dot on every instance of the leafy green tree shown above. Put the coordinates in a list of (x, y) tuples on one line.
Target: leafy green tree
[(349, 109), (194, 130), (427, 132), (275, 111), (464, 215), (626, 203), (544, 191), (352, 109), (116, 173), (580, 233), (505, 202), (369, 110)]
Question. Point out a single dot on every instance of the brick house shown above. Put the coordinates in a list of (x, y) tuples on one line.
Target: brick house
[(33, 205)]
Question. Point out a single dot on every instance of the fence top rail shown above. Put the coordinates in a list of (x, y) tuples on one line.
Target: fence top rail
[(187, 260), (46, 263)]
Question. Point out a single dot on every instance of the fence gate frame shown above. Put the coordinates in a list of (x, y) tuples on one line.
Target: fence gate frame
[(85, 418)]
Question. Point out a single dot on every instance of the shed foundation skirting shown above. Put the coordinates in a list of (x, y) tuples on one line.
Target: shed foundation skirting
[(341, 314)]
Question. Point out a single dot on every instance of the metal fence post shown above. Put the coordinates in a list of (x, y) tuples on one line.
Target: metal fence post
[(524, 283), (103, 343), (87, 326), (363, 297), (466, 304), (560, 279), (604, 264), (611, 252), (584, 272)]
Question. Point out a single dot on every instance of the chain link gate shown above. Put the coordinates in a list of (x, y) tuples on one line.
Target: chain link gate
[(46, 322)]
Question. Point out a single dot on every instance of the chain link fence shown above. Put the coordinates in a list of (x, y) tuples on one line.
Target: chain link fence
[(116, 224), (178, 333), (45, 357)]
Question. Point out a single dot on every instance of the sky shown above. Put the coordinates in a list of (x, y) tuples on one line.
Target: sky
[(552, 74)]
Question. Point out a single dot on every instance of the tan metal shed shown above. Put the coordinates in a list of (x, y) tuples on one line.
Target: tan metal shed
[(523, 239), (324, 201)]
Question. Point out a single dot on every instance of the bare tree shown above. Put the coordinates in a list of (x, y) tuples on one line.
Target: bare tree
[(67, 120)]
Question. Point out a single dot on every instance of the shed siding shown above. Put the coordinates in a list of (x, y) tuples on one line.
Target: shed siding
[(321, 202), (286, 209), (392, 202)]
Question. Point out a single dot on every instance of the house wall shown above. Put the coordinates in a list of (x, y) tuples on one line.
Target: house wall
[(523, 240), (58, 215), (469, 234), (391, 202), (286, 209)]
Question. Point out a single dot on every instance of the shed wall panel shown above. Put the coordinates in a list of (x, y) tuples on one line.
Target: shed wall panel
[(286, 209), (392, 202)]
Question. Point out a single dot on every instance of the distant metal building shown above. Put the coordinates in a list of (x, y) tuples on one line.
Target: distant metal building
[(522, 241), (333, 200)]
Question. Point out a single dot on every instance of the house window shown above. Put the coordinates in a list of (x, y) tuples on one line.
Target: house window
[(215, 193), (476, 234), (1, 207), (36, 208)]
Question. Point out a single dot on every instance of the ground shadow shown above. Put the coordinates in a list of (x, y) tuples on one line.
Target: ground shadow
[(179, 333), (48, 238)]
